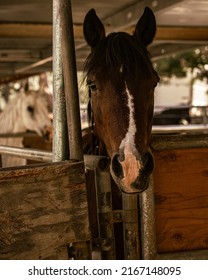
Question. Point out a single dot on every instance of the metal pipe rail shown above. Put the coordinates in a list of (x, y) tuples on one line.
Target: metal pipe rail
[(32, 154), (91, 162), (17, 135), (164, 129)]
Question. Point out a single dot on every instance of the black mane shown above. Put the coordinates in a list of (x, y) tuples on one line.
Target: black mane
[(116, 51)]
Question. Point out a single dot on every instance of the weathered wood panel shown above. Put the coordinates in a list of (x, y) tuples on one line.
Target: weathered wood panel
[(43, 208), (181, 199)]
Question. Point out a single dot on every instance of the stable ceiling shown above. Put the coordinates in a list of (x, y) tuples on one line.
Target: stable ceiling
[(26, 29)]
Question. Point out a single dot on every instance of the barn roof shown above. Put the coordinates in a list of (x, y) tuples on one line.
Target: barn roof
[(26, 29)]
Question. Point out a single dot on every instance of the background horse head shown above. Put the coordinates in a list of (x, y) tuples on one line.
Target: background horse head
[(28, 111), (121, 81)]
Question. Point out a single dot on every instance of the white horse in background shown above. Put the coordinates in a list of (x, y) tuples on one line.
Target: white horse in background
[(27, 111)]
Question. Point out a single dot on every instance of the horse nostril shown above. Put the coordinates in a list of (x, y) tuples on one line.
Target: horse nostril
[(116, 166), (46, 136), (148, 162), (47, 133)]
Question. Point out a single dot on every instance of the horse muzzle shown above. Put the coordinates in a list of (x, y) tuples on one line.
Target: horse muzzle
[(46, 133), (131, 173)]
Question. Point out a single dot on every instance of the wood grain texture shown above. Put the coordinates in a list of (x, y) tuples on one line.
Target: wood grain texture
[(43, 208), (181, 199)]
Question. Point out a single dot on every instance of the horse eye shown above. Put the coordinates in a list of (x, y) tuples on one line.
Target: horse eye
[(154, 86), (30, 109), (92, 86)]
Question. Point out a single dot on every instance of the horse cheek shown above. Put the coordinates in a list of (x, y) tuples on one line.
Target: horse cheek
[(102, 119)]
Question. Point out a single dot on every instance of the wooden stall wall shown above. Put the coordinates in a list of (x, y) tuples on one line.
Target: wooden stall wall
[(43, 209), (181, 199)]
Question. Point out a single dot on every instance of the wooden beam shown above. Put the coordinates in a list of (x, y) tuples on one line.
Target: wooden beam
[(165, 33), (15, 77), (116, 21), (177, 33), (22, 30)]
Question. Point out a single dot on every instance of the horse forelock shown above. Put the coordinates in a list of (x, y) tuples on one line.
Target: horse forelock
[(118, 54)]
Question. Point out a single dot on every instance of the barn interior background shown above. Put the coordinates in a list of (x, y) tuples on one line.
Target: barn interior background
[(26, 50), (26, 46)]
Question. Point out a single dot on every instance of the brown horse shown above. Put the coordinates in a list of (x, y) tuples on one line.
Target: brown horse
[(121, 82)]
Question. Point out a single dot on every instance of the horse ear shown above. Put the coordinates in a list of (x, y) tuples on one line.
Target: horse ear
[(146, 27), (94, 30)]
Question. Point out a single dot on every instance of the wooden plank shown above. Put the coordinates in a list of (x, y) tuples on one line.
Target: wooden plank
[(30, 30), (165, 33), (181, 33), (24, 30), (43, 208), (181, 199)]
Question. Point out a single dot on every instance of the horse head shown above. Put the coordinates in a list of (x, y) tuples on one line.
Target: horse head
[(121, 82), (35, 113)]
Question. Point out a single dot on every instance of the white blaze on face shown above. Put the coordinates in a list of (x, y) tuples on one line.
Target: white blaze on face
[(131, 165)]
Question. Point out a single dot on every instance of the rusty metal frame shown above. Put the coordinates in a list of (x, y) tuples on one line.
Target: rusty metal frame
[(105, 213), (128, 215)]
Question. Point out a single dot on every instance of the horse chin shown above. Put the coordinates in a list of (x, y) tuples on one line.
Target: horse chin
[(46, 133), (47, 137)]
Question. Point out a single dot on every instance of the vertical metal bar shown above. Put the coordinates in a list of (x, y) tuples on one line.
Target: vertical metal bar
[(60, 137), (148, 234), (66, 106), (105, 214), (70, 81), (131, 227)]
